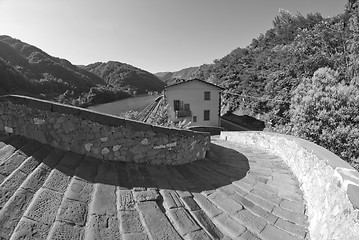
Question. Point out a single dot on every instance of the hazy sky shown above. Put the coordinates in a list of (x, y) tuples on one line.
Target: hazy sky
[(155, 35)]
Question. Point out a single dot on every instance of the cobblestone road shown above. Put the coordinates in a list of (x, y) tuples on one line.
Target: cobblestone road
[(237, 192)]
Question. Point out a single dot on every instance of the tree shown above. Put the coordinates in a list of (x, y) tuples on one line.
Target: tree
[(326, 111)]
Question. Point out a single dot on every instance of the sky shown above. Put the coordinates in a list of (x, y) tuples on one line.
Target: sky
[(154, 35)]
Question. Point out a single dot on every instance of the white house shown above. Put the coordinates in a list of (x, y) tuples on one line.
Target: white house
[(194, 100)]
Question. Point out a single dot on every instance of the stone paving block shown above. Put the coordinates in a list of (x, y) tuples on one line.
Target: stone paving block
[(14, 180), (242, 200), (130, 222), (61, 230), (136, 180), (107, 174), (198, 235), (69, 163), (51, 160), (293, 217), (190, 203), (35, 180), (252, 222), (269, 217), (79, 190), (135, 236), (122, 179), (2, 178), (259, 176), (125, 200), (248, 180), (102, 227), (260, 202), (228, 225), (57, 181), (29, 148), (273, 198), (12, 212), (209, 191), (266, 188), (292, 228), (156, 222), (10, 164), (243, 185), (207, 224), (6, 152), (292, 196), (73, 212), (285, 180), (10, 185), (29, 165), (211, 209), (148, 195), (297, 207), (232, 189), (183, 193), (182, 220), (272, 233), (103, 200), (247, 235), (288, 187), (29, 229), (44, 206), (88, 168), (32, 162), (225, 203), (171, 199)]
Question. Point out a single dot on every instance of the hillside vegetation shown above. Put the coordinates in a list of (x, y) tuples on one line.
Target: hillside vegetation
[(27, 70), (300, 77), (171, 77), (126, 76)]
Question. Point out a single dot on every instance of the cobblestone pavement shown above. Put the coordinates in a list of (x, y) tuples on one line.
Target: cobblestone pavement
[(238, 192)]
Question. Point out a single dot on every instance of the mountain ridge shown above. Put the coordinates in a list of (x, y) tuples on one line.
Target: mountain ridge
[(170, 77), (26, 69)]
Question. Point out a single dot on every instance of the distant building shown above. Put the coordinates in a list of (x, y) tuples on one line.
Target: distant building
[(194, 100)]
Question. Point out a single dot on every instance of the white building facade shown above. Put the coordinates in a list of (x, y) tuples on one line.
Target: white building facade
[(194, 100)]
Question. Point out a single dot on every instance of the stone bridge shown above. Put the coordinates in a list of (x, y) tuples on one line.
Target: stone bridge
[(70, 173)]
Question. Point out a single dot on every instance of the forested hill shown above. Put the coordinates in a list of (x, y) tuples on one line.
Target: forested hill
[(275, 62), (27, 70), (126, 76), (301, 77), (170, 77)]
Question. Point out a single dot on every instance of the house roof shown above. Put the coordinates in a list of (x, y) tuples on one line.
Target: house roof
[(192, 80)]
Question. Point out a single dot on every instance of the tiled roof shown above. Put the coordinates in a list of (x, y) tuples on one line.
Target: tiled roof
[(237, 192)]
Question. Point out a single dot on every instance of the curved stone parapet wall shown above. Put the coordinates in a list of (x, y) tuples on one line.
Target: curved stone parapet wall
[(99, 135), (330, 185)]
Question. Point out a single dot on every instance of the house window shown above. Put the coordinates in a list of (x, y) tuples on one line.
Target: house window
[(187, 107), (194, 118), (207, 95), (206, 115), (176, 105)]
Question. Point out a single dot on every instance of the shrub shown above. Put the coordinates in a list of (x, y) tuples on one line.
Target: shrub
[(326, 111)]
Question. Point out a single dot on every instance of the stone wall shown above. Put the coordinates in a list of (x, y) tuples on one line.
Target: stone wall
[(330, 185), (99, 135)]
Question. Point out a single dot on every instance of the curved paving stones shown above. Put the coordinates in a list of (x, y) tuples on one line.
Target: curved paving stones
[(237, 193)]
